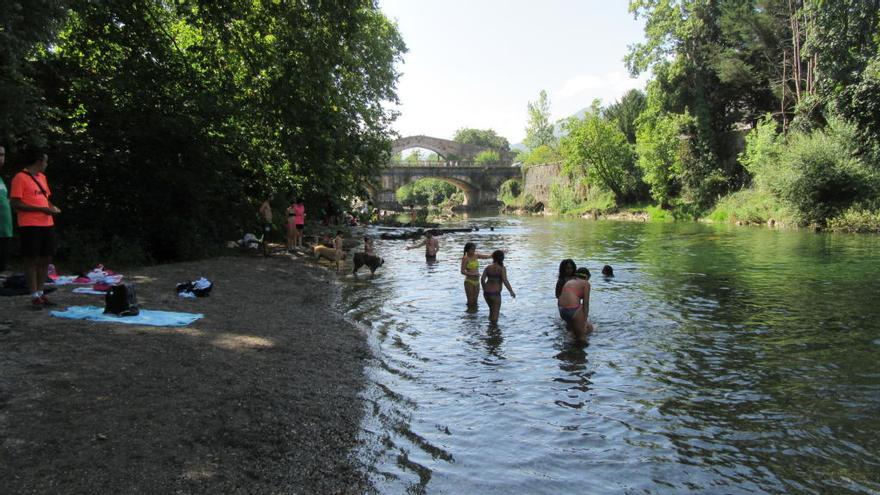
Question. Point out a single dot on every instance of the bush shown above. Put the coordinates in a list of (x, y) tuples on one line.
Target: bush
[(749, 205), (658, 214), (563, 200), (542, 155), (821, 175), (856, 220), (510, 191), (487, 157)]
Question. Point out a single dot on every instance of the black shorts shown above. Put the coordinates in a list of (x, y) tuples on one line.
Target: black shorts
[(37, 242), (300, 226), (430, 257)]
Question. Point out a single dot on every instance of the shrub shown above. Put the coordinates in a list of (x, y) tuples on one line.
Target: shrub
[(856, 220), (563, 199), (750, 205), (487, 157), (510, 191), (659, 214), (542, 155)]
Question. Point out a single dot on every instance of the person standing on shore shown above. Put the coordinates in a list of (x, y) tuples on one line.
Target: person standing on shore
[(574, 305), (337, 247), (265, 213), (494, 276), (470, 268), (432, 246), (299, 222), (5, 217), (29, 196)]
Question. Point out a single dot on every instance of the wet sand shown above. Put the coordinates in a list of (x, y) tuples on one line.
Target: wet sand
[(260, 396)]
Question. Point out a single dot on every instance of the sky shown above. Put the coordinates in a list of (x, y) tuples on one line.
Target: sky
[(477, 63)]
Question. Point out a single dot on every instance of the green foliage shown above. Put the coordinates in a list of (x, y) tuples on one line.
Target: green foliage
[(750, 205), (764, 146), (162, 117), (482, 137), (597, 149), (662, 149), (542, 155), (488, 157), (539, 131), (510, 190), (626, 111), (425, 192), (856, 220), (821, 174), (659, 214), (564, 200)]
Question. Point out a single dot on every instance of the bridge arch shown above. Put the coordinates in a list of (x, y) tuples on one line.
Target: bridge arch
[(471, 192), (450, 150)]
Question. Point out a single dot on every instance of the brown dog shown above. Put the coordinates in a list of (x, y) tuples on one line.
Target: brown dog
[(325, 252), (372, 262)]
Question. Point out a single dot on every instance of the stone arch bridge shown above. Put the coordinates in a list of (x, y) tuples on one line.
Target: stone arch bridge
[(480, 183)]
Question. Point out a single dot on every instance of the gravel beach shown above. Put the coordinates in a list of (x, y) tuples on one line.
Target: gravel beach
[(260, 396)]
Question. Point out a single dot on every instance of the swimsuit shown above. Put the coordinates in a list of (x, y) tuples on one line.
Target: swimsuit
[(567, 312), (472, 265), (496, 278)]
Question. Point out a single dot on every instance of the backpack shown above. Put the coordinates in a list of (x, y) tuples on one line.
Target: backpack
[(121, 300)]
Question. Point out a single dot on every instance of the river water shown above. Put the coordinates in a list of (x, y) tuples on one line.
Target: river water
[(725, 360)]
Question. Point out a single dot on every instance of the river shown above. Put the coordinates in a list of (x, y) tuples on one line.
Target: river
[(725, 360)]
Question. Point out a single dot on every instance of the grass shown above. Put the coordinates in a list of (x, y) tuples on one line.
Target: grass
[(749, 205)]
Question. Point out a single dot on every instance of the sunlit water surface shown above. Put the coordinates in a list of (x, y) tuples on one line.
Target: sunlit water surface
[(725, 360)]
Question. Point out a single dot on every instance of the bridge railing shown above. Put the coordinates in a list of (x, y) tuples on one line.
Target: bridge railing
[(445, 163)]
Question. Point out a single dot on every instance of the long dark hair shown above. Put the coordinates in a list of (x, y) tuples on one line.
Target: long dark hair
[(566, 263), (498, 257), (468, 246)]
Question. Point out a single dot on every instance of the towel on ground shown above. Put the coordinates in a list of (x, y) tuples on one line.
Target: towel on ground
[(88, 290), (146, 317)]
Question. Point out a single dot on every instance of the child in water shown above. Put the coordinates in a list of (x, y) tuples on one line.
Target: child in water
[(494, 276), (566, 273), (574, 305), (607, 271)]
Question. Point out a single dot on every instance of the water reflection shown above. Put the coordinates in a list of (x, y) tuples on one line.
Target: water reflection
[(724, 361)]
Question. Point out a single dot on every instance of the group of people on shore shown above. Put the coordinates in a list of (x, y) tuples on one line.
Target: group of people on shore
[(29, 197)]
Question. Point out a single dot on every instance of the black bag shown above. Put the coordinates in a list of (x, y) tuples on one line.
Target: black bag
[(121, 300)]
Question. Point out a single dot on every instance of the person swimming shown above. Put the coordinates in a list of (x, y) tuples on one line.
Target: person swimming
[(494, 276), (470, 268), (574, 305), (607, 271), (566, 273)]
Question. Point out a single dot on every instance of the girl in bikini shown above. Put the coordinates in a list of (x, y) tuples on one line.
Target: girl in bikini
[(574, 305), (566, 273), (470, 268), (493, 277)]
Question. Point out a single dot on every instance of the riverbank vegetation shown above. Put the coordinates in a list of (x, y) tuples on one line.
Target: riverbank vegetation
[(763, 111), (167, 123)]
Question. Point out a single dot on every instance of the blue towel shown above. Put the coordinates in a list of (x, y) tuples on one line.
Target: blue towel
[(146, 317)]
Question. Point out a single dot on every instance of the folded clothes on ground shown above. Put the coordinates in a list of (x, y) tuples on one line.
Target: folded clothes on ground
[(146, 317)]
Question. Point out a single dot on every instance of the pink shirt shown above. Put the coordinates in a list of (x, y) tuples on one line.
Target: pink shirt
[(299, 214)]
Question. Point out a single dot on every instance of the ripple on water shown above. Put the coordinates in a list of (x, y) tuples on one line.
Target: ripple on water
[(723, 362)]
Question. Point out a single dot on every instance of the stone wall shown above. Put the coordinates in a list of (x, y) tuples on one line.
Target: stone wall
[(538, 179)]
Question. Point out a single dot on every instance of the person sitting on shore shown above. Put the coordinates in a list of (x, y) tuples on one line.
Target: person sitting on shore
[(432, 245), (566, 273), (494, 276), (607, 271), (574, 305)]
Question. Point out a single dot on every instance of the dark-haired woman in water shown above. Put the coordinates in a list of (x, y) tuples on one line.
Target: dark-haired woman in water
[(494, 276), (566, 273), (574, 305), (470, 268)]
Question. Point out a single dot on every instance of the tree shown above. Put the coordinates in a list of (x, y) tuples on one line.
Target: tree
[(183, 112), (487, 157), (539, 130), (482, 137), (661, 150), (598, 149), (625, 112)]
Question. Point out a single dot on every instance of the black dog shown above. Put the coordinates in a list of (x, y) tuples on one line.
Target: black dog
[(372, 262)]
